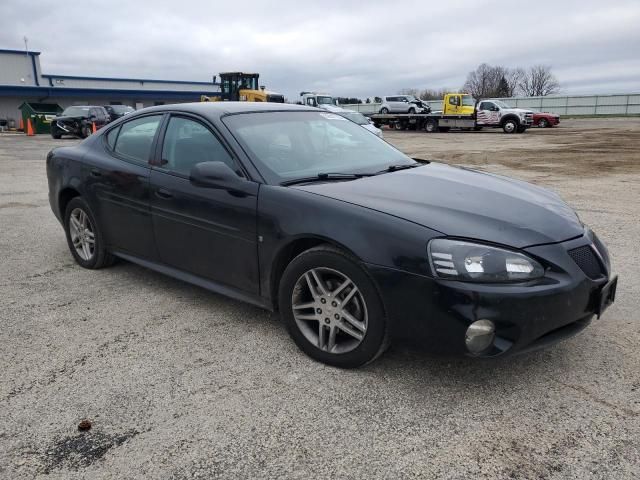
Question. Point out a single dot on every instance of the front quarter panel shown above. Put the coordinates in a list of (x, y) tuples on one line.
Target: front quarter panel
[(286, 214)]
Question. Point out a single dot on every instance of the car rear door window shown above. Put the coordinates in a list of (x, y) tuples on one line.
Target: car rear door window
[(112, 135), (136, 137), (188, 142)]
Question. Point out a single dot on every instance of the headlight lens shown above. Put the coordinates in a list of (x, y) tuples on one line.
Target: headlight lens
[(475, 262)]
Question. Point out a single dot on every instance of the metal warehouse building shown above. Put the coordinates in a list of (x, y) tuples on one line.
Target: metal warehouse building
[(22, 80)]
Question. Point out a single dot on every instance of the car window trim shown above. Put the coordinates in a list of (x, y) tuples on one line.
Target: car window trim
[(127, 158), (155, 163)]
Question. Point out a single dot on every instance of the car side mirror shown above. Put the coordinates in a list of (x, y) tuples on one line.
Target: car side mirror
[(215, 175)]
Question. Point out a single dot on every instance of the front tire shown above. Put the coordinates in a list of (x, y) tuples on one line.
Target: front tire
[(510, 126), (86, 131), (332, 308), (412, 111), (84, 236)]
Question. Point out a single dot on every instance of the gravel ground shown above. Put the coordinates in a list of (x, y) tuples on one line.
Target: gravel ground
[(181, 383)]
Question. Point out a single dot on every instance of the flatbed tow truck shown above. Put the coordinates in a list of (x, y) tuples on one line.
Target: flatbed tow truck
[(461, 111)]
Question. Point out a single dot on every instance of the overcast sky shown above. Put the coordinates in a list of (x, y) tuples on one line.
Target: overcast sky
[(346, 48)]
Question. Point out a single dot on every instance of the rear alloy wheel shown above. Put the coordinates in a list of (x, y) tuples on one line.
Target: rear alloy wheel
[(332, 309), (384, 110), (510, 126), (543, 123), (83, 236)]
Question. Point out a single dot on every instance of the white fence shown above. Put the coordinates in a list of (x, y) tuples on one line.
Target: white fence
[(626, 104)]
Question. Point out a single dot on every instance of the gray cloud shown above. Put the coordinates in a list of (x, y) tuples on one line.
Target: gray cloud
[(343, 47)]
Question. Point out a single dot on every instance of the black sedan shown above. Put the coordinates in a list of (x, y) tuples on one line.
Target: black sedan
[(117, 111), (303, 211), (79, 121)]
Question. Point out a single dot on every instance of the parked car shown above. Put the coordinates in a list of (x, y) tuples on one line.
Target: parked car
[(544, 119), (79, 121), (354, 243), (403, 104), (356, 117), (117, 111)]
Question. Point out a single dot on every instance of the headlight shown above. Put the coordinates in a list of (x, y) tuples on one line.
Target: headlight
[(474, 262)]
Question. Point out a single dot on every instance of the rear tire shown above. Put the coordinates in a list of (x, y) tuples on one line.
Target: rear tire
[(431, 126), (56, 134), (84, 237), (384, 110), (412, 111), (344, 335), (543, 123)]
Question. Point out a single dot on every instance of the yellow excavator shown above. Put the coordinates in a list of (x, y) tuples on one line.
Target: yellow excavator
[(242, 87)]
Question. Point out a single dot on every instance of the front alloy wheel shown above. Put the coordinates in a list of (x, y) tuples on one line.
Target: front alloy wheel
[(329, 310), (332, 308)]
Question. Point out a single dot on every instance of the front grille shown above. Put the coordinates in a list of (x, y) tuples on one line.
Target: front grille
[(586, 259)]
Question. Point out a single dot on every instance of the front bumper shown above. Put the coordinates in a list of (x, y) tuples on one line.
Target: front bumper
[(436, 313)]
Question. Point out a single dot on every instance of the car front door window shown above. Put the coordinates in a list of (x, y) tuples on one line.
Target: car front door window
[(187, 143)]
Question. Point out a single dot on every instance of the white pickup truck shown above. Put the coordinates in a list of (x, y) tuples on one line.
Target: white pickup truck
[(320, 100)]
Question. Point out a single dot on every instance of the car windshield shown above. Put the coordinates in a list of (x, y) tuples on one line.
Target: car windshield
[(359, 118), (120, 109), (324, 100), (468, 101), (501, 104), (294, 145), (76, 112)]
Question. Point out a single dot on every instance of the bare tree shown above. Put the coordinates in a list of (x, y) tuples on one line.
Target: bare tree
[(431, 94), (539, 81), (410, 91), (484, 81), (514, 76)]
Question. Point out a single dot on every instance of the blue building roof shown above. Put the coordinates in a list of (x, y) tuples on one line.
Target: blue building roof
[(112, 79), (43, 92)]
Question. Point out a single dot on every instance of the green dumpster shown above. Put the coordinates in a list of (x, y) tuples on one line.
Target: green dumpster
[(40, 115)]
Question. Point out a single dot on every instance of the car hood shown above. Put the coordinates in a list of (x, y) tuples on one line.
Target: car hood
[(463, 203), (67, 118), (518, 110)]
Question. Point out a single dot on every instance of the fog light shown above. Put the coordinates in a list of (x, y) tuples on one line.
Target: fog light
[(480, 336)]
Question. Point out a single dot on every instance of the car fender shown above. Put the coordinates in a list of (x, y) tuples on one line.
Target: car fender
[(287, 215), (510, 116)]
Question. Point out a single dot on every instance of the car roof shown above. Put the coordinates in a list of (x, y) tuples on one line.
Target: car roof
[(219, 109)]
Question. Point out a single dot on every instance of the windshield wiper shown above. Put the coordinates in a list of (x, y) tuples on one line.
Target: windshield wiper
[(327, 176), (403, 166)]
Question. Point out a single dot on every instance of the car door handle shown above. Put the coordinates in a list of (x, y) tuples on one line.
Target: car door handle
[(162, 193), (96, 173)]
